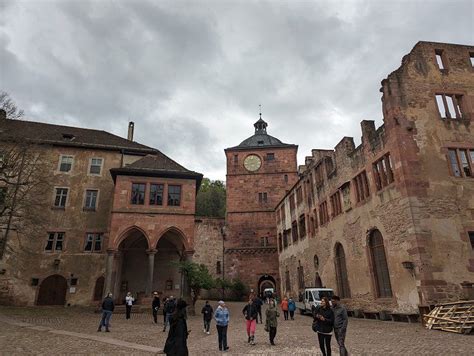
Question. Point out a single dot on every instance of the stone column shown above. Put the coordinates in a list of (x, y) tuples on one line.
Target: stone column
[(151, 267), (108, 271)]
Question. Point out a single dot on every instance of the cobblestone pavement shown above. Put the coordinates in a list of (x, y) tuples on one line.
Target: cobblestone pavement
[(365, 337)]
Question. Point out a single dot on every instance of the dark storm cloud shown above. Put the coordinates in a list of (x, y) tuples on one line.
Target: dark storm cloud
[(192, 74)]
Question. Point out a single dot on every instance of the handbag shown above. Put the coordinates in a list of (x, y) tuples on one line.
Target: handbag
[(314, 326)]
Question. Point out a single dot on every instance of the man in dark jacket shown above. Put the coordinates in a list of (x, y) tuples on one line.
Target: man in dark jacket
[(108, 307), (258, 303), (207, 313), (340, 323), (251, 313), (168, 309), (155, 305), (176, 343)]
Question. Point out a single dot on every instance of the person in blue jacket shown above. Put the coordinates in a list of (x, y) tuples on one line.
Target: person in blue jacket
[(291, 308), (221, 317)]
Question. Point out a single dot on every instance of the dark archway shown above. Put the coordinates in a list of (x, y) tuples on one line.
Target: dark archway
[(99, 289), (341, 272), (379, 265), (52, 291), (266, 281), (317, 281)]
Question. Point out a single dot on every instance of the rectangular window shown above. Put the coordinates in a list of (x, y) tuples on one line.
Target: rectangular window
[(361, 185), (280, 242), (96, 166), (270, 157), (471, 57), (471, 238), (93, 242), (449, 106), (461, 162), (302, 227), (55, 241), (218, 267), (440, 59), (65, 164), (262, 197), (383, 172), (61, 197), (174, 195), (138, 193), (156, 194), (292, 203), (336, 204), (264, 241), (294, 231), (323, 213), (299, 195), (285, 238), (91, 199), (285, 178)]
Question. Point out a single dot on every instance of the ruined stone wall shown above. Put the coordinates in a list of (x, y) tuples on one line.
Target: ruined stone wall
[(208, 246)]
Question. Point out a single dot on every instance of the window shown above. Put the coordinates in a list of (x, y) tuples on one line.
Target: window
[(270, 157), (262, 197), (218, 267), (285, 178), (61, 197), (292, 203), (96, 166), (55, 241), (336, 206), (138, 193), (383, 173), (323, 213), (379, 265), (91, 199), (285, 239), (316, 262), (74, 281), (65, 163), (440, 59), (449, 106), (302, 227), (341, 272), (471, 238), (300, 276), (361, 187), (461, 162), (319, 175), (156, 194), (471, 57), (264, 241), (294, 231), (174, 195), (280, 242), (93, 242), (299, 195)]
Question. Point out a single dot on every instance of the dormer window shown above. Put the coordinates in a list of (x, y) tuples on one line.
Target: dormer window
[(260, 142), (68, 137)]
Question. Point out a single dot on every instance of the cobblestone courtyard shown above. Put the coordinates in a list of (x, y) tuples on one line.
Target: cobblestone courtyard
[(52, 331)]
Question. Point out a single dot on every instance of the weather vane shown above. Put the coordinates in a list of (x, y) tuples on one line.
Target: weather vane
[(260, 109)]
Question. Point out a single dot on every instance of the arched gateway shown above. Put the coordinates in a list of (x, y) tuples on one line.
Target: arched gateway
[(52, 291)]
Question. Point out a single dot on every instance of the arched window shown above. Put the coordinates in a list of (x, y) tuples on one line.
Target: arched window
[(341, 272), (316, 262), (383, 287)]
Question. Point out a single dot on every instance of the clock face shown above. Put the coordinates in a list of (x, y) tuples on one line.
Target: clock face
[(252, 163)]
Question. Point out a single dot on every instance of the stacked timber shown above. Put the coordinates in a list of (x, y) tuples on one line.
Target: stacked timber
[(455, 317)]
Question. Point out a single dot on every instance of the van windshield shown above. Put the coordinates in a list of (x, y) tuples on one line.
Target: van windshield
[(325, 293)]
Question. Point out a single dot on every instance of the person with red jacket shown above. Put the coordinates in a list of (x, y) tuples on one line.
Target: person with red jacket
[(284, 307)]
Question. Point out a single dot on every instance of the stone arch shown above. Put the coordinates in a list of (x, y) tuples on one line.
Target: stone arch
[(266, 281), (52, 290), (127, 232), (378, 264), (177, 232), (342, 279)]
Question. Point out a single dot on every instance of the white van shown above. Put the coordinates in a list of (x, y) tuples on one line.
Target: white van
[(312, 298)]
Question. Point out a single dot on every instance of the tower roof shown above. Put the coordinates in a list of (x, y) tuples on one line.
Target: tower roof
[(261, 139)]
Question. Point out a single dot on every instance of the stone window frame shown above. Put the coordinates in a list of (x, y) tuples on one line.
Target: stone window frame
[(470, 161), (382, 170), (336, 205), (144, 193), (280, 242), (162, 194), (270, 157), (362, 188), (457, 100), (89, 173), (340, 265), (86, 208), (180, 203), (323, 213), (291, 199), (299, 195), (55, 193), (285, 239), (265, 241), (302, 226), (294, 231), (96, 235), (61, 156), (373, 267), (54, 242), (441, 55), (262, 197), (471, 59)]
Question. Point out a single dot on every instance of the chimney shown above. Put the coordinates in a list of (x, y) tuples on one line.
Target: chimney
[(131, 125), (3, 114)]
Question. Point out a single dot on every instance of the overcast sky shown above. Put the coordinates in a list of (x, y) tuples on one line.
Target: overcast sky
[(192, 74)]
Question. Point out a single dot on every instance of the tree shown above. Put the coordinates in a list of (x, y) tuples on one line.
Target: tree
[(211, 199), (7, 104), (197, 276)]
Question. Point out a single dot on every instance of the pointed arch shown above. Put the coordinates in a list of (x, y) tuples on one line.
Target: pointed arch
[(177, 231), (379, 265), (129, 231), (342, 280)]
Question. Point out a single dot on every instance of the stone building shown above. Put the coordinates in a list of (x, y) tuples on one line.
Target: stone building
[(259, 172), (389, 224), (118, 214)]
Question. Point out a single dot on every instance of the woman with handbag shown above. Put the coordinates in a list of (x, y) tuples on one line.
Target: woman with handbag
[(323, 323), (271, 321)]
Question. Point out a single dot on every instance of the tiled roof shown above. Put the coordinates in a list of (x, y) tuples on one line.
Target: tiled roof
[(66, 136)]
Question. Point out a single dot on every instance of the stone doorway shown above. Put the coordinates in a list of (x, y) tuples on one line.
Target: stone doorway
[(52, 291), (266, 281), (99, 289)]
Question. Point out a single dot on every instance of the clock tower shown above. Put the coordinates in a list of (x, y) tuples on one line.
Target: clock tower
[(259, 173)]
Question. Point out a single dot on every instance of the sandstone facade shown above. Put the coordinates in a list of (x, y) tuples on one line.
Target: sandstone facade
[(389, 224)]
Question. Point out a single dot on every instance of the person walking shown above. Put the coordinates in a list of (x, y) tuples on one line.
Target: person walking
[(108, 307), (250, 313), (284, 307), (291, 308), (128, 305), (176, 342), (155, 306), (221, 317), (207, 313), (258, 303), (168, 309), (340, 324), (323, 322), (165, 300), (271, 321)]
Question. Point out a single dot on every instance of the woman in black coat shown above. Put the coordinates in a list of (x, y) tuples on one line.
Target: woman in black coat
[(176, 343), (323, 317)]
